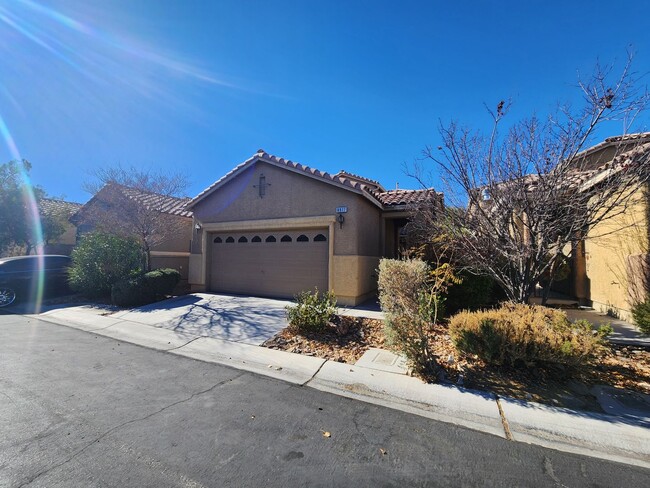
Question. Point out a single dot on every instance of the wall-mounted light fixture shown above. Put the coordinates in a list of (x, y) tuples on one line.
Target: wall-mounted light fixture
[(197, 226), (340, 219)]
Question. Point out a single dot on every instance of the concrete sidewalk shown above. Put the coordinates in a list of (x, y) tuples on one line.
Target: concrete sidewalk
[(605, 436)]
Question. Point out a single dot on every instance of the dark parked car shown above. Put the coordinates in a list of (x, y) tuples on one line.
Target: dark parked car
[(19, 277)]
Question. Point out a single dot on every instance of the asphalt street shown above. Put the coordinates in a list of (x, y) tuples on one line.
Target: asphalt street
[(81, 410)]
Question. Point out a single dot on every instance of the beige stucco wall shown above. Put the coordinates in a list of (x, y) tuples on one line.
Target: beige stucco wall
[(295, 199), (354, 277), (178, 235), (609, 278), (290, 195), (180, 263)]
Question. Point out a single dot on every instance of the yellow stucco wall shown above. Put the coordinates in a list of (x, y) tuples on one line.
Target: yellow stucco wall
[(607, 250)]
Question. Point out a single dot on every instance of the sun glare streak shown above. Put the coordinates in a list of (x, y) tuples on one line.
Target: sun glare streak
[(129, 47), (32, 216), (32, 33)]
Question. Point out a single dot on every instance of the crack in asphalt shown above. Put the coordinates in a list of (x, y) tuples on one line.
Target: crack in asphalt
[(128, 422)]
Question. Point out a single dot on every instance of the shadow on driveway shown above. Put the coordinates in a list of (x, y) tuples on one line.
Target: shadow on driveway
[(250, 320)]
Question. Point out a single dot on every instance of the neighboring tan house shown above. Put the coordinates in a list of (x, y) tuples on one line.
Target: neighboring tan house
[(59, 211), (610, 272), (273, 227), (162, 218)]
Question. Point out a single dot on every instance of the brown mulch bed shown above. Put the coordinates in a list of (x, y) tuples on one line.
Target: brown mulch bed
[(621, 367)]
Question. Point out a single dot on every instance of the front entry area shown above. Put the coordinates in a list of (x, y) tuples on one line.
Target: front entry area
[(270, 263)]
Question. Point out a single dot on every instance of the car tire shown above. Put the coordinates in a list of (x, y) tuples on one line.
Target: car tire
[(7, 296)]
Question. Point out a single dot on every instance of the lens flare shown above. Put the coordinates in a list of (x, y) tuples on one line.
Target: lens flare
[(32, 216)]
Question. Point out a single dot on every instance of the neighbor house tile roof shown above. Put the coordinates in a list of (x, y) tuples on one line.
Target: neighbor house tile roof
[(56, 206), (371, 189), (162, 203)]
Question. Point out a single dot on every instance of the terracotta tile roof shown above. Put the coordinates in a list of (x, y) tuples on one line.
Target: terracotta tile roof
[(371, 189), (361, 179), (612, 141), (393, 198), (162, 203), (56, 206)]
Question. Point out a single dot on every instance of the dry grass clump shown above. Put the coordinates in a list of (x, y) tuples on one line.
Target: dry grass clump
[(524, 335)]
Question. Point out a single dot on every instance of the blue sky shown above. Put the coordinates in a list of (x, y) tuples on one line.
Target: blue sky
[(199, 85)]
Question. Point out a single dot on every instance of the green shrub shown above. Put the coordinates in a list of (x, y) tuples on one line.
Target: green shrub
[(132, 292), (473, 293), (162, 281), (101, 260), (146, 288), (312, 311), (641, 315), (525, 335)]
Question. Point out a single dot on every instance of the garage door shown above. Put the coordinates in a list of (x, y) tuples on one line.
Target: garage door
[(275, 264)]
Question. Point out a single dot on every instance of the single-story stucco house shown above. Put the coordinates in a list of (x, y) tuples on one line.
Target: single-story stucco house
[(273, 227), (162, 218), (61, 211)]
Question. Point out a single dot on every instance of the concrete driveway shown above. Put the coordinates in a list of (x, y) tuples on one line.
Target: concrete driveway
[(244, 319)]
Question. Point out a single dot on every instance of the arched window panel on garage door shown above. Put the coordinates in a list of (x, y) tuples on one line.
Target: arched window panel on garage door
[(230, 240), (271, 239), (286, 238), (302, 238), (320, 238), (217, 240), (242, 239), (256, 239)]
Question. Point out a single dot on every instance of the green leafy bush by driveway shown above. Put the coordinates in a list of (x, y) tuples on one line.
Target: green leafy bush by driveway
[(101, 260), (146, 288), (312, 311), (641, 315), (527, 336)]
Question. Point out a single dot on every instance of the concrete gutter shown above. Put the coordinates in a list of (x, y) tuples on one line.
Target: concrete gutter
[(596, 435)]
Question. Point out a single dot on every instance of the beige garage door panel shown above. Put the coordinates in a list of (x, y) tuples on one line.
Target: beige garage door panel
[(279, 269)]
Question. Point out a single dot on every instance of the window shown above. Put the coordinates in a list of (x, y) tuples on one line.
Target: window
[(217, 240), (302, 238), (230, 240), (256, 239), (242, 239), (271, 239), (320, 238), (286, 238)]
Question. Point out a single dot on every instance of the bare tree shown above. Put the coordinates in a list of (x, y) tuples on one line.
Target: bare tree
[(145, 205), (516, 200)]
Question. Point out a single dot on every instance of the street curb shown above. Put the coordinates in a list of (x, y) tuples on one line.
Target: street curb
[(587, 433), (478, 411), (594, 435), (267, 362)]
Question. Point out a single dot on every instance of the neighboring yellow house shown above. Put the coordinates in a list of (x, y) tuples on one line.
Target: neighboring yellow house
[(610, 267)]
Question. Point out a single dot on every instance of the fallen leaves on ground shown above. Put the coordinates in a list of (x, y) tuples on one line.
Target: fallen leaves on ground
[(621, 367)]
